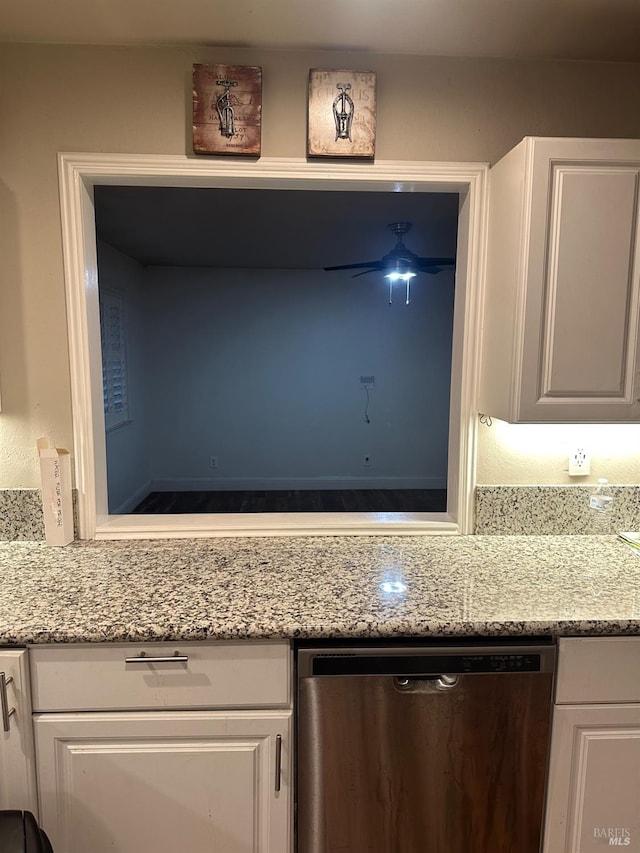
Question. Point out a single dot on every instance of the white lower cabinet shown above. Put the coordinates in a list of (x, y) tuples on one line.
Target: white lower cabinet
[(165, 781), (594, 781), (17, 762), (131, 760), (593, 794)]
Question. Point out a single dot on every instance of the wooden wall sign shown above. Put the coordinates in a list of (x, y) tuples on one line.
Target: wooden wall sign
[(342, 113), (227, 109)]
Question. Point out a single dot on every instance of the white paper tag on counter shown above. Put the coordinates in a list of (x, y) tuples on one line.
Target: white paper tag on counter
[(57, 502)]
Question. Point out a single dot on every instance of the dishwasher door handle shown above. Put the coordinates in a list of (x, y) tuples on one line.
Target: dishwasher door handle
[(447, 682), (442, 682)]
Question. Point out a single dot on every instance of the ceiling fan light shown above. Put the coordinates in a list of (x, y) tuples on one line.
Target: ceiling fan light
[(399, 275), (394, 275)]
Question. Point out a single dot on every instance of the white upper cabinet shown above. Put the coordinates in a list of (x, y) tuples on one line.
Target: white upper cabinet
[(560, 335)]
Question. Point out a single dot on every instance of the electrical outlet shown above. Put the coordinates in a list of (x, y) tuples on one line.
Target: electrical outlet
[(366, 460), (368, 382), (213, 462), (579, 462)]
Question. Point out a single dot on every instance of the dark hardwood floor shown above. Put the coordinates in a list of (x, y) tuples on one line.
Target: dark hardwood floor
[(328, 500)]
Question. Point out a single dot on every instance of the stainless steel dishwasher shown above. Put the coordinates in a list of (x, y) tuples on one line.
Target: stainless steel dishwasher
[(419, 748)]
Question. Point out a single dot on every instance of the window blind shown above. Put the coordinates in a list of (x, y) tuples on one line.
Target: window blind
[(114, 360)]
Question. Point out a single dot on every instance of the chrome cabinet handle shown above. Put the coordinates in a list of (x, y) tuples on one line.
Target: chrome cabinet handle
[(144, 658), (278, 761), (7, 712)]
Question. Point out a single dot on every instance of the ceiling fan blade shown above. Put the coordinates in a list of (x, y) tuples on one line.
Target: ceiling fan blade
[(425, 263), (364, 272), (376, 265)]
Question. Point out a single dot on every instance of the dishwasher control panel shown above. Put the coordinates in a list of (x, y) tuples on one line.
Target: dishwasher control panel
[(424, 662), (500, 663)]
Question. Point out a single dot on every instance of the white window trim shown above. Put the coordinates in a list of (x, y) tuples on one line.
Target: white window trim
[(79, 173)]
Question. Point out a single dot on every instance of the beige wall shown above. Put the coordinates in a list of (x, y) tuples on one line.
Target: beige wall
[(138, 100), (539, 453)]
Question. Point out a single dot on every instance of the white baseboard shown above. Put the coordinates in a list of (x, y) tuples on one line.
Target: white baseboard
[(233, 484), (133, 500)]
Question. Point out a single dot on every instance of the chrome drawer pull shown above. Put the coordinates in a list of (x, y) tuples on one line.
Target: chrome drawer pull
[(278, 760), (143, 658), (7, 712)]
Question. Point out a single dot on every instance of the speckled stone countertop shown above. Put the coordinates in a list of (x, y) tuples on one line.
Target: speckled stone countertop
[(318, 587)]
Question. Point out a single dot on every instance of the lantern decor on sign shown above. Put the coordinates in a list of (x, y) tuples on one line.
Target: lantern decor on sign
[(227, 109), (342, 114)]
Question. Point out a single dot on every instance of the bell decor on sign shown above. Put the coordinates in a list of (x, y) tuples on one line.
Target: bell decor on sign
[(227, 109), (342, 114)]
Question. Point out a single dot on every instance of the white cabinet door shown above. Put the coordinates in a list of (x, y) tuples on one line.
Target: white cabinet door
[(167, 781), (593, 796), (17, 762), (563, 283)]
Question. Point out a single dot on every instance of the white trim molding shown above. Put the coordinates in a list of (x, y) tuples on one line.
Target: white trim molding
[(79, 173), (241, 484)]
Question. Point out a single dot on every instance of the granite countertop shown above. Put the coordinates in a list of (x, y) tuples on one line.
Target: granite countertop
[(318, 587)]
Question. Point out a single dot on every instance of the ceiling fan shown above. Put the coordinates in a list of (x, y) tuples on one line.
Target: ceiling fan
[(400, 264)]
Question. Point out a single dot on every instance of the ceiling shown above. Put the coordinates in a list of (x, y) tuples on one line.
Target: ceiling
[(270, 229), (538, 29)]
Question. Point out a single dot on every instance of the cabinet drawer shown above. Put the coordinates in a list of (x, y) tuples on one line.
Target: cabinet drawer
[(598, 669), (214, 675)]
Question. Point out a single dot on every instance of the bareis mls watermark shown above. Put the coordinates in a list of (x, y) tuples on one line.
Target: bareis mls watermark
[(614, 836)]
